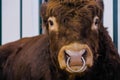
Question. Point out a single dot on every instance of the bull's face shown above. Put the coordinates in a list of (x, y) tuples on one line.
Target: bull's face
[(74, 33)]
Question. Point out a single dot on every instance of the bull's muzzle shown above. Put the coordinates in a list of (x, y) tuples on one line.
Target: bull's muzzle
[(75, 57)]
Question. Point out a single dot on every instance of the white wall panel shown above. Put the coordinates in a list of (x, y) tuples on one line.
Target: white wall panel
[(30, 17), (108, 16), (10, 20)]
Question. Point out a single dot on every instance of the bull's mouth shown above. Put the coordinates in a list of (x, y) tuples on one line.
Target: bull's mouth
[(75, 58)]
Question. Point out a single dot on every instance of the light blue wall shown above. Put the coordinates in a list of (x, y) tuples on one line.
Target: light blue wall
[(119, 25)]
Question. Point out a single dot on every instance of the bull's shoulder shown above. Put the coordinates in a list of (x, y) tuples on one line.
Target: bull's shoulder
[(14, 47), (21, 42), (11, 46), (21, 53)]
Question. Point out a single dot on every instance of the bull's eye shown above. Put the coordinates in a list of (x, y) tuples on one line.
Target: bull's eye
[(50, 22), (95, 23)]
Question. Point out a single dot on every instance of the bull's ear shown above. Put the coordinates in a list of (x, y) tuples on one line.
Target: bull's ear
[(43, 9), (95, 23), (43, 15), (100, 3)]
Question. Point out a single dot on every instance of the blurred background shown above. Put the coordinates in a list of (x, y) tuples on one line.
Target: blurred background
[(20, 18)]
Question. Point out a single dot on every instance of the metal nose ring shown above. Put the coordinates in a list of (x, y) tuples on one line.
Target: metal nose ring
[(76, 71)]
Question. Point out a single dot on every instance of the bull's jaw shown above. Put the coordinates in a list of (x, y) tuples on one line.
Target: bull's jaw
[(75, 58)]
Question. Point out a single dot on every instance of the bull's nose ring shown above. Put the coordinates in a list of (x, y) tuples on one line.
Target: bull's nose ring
[(79, 70)]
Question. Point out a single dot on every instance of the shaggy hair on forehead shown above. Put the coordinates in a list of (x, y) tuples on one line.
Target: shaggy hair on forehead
[(81, 8), (69, 12)]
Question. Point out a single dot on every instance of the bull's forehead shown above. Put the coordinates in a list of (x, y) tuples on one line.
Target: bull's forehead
[(74, 15), (60, 10), (71, 1)]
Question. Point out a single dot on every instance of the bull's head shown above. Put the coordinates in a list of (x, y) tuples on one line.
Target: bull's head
[(73, 27)]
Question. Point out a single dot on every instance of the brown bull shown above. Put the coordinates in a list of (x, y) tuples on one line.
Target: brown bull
[(75, 46)]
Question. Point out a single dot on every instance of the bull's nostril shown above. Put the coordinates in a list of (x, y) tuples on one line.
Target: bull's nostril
[(84, 55), (66, 55)]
